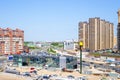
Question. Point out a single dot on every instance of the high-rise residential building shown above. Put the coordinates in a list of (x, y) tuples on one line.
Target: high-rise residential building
[(83, 33), (99, 34), (102, 34), (94, 33), (107, 35), (118, 31), (115, 41), (11, 41), (111, 35)]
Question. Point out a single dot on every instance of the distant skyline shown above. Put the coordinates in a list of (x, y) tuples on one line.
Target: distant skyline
[(54, 20)]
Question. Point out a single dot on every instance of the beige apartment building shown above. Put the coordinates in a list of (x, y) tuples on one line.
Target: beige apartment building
[(115, 41), (83, 33), (94, 33), (107, 35), (111, 35), (99, 32), (102, 34)]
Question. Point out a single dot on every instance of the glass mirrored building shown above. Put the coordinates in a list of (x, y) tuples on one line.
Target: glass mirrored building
[(42, 61)]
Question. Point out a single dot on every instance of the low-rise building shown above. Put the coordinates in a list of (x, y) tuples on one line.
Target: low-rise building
[(70, 45)]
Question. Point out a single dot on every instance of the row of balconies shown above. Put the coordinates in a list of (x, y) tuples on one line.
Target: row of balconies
[(10, 34)]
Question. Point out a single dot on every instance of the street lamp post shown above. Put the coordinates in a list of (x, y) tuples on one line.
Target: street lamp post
[(80, 45)]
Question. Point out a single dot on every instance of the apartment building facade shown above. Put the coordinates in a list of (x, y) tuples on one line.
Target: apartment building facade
[(11, 41), (83, 33), (94, 33), (118, 32), (100, 34)]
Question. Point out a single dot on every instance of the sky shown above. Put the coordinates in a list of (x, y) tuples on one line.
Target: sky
[(54, 20)]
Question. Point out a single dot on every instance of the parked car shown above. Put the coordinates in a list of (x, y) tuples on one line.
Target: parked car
[(26, 74), (81, 78), (38, 78), (13, 71), (70, 77), (45, 77)]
